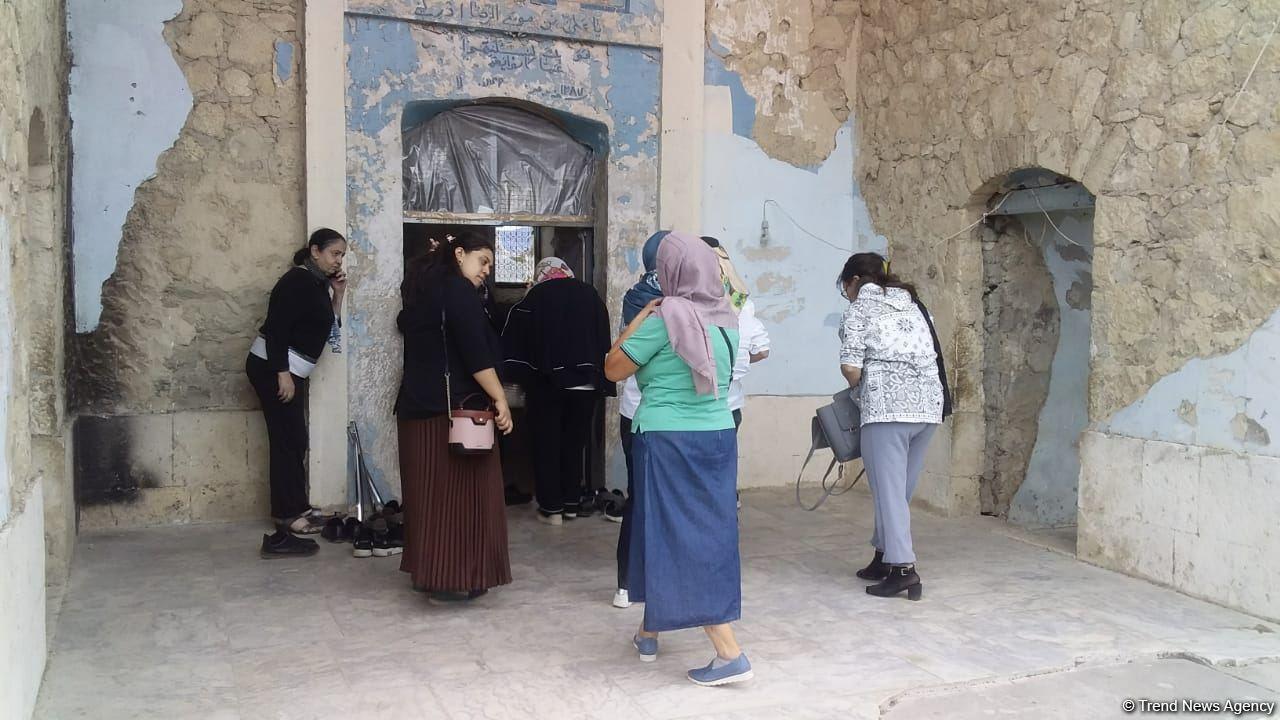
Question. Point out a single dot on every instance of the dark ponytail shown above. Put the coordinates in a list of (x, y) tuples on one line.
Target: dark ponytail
[(872, 268), (320, 239), (439, 261)]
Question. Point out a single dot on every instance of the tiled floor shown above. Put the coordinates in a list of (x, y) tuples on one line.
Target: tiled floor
[(189, 623)]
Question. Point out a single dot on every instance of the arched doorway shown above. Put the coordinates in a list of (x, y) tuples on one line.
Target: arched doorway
[(1037, 251), (532, 180)]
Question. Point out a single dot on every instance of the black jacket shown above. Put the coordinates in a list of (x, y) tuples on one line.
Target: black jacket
[(558, 334), (299, 316), (472, 344)]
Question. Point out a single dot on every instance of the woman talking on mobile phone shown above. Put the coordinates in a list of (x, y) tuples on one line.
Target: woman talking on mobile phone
[(305, 303)]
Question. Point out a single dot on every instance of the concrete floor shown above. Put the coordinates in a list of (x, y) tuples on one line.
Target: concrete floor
[(189, 623)]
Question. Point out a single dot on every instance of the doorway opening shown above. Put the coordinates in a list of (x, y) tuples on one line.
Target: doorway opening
[(1037, 250), (531, 181)]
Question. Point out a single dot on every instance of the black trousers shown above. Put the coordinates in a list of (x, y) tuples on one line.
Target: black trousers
[(287, 437), (624, 533), (560, 423)]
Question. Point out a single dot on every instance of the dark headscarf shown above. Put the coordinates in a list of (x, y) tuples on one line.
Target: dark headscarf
[(646, 288)]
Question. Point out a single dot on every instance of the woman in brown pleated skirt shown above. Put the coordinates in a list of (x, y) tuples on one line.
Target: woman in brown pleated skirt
[(455, 511), (456, 522)]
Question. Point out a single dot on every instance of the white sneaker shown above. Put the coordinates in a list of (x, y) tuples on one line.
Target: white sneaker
[(620, 599)]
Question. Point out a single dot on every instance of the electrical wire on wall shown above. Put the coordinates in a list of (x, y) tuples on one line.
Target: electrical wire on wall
[(764, 227)]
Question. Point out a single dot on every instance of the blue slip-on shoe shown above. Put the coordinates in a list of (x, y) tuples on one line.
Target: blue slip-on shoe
[(647, 647), (734, 671)]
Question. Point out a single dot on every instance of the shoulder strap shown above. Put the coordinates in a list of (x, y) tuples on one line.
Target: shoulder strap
[(728, 344), (444, 343), (942, 367), (827, 490)]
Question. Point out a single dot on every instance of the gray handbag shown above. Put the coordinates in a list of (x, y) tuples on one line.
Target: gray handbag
[(837, 427)]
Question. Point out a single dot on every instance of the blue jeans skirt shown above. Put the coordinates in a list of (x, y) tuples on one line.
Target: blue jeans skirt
[(684, 562)]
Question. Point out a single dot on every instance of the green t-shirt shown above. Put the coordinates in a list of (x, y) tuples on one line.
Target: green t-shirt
[(669, 400)]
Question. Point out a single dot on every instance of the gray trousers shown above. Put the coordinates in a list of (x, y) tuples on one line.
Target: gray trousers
[(893, 454)]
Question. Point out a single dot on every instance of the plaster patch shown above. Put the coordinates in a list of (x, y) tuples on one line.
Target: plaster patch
[(128, 101), (744, 106), (284, 61)]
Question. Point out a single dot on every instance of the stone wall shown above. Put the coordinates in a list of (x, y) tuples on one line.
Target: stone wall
[(1141, 102), (33, 473), (206, 237)]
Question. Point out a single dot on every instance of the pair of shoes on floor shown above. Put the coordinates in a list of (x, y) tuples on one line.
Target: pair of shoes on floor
[(611, 504), (369, 543), (621, 599), (898, 578), (285, 544), (723, 672), (718, 672)]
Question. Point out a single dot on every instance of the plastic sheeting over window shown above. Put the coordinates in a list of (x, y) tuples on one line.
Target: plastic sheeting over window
[(496, 159)]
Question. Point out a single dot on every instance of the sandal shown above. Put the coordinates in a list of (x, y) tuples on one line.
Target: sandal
[(306, 525)]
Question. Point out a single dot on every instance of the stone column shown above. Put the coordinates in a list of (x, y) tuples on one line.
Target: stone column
[(680, 181), (325, 116)]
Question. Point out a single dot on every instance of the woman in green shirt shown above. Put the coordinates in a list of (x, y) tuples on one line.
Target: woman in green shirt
[(684, 561)]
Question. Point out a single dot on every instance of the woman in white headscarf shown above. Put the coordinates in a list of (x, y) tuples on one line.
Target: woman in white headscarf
[(554, 344)]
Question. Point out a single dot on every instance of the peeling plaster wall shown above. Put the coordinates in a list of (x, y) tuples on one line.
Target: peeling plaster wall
[(779, 146), (168, 430), (797, 60), (394, 62), (130, 100), (1140, 102), (1047, 497), (1230, 402), (33, 475)]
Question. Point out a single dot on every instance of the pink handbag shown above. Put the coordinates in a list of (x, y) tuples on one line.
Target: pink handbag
[(470, 431)]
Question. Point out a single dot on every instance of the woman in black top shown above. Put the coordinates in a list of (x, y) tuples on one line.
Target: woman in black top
[(303, 309), (455, 513), (555, 341)]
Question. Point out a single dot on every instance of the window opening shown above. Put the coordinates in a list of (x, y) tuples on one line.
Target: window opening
[(516, 254)]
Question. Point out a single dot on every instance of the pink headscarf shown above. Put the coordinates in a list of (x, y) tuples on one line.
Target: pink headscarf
[(693, 301)]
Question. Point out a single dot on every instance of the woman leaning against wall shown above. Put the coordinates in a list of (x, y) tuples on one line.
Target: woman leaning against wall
[(304, 305)]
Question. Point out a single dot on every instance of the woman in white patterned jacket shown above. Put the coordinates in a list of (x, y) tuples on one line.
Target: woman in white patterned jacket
[(889, 355)]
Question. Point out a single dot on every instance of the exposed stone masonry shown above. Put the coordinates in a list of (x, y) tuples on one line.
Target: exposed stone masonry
[(212, 231), (798, 59), (1132, 98)]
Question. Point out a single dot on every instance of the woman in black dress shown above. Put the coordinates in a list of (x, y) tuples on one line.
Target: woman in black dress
[(455, 512), (304, 307)]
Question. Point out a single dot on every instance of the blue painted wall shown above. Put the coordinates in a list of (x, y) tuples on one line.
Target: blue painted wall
[(395, 66)]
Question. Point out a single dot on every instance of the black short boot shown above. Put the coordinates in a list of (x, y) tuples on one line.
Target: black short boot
[(901, 577), (876, 570)]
